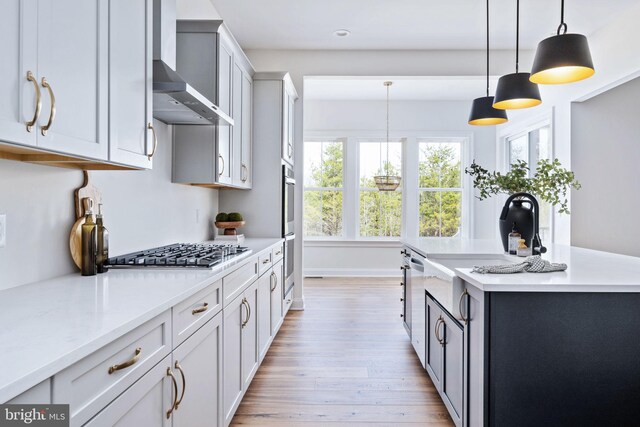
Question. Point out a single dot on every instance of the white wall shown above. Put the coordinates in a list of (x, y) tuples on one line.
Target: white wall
[(606, 156), (616, 57), (428, 118), (142, 209)]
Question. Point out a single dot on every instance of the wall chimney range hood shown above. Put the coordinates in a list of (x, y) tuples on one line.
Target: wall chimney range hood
[(175, 101)]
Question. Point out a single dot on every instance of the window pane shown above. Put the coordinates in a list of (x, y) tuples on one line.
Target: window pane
[(322, 213), (440, 213), (380, 213), (373, 161), (519, 149), (323, 164), (440, 165)]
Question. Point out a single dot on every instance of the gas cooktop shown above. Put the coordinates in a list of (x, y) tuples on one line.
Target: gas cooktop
[(203, 255)]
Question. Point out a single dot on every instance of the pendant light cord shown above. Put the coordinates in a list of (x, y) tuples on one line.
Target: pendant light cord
[(518, 34), (563, 25), (387, 165), (487, 48)]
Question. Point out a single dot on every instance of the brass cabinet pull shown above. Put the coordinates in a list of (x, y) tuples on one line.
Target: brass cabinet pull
[(248, 312), (289, 150), (175, 391), (279, 252), (244, 174), (204, 307), (461, 306), (222, 168), (274, 280), (405, 267), (184, 386), (36, 114), (244, 322), (128, 363), (266, 261), (155, 141), (52, 113), (437, 328)]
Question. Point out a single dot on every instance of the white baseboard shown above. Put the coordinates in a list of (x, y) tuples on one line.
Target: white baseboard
[(297, 304), (352, 272)]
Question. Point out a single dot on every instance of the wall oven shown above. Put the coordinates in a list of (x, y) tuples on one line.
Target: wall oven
[(288, 201)]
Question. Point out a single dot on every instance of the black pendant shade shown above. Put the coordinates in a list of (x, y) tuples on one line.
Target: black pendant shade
[(483, 113), (564, 58), (516, 91)]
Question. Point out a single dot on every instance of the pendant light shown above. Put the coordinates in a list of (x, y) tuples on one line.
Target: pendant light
[(482, 111), (563, 58), (515, 91), (386, 182)]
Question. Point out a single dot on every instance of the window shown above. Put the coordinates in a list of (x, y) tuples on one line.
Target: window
[(323, 189), (380, 211), (440, 188), (533, 146)]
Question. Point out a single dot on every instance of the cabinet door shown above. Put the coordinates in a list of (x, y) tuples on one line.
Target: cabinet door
[(434, 347), (225, 77), (224, 148), (234, 315), (475, 355), (145, 403), (265, 284), (418, 306), (277, 315), (246, 166), (287, 127), (73, 58), (453, 368), (291, 133), (130, 80), (236, 154), (250, 356), (200, 359), (18, 29)]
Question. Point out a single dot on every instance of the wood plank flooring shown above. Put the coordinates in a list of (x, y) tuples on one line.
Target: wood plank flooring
[(345, 360)]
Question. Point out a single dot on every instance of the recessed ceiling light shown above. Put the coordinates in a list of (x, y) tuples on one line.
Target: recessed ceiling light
[(341, 33)]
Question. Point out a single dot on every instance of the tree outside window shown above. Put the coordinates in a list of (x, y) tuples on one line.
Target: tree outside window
[(440, 187), (323, 189)]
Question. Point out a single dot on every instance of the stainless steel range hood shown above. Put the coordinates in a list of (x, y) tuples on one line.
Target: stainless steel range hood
[(175, 101)]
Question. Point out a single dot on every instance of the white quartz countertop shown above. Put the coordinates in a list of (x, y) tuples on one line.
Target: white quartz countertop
[(588, 270), (49, 325)]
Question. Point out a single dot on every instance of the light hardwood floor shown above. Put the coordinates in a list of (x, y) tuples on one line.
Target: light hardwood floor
[(345, 360)]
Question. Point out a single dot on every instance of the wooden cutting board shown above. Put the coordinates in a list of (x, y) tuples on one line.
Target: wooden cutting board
[(86, 190)]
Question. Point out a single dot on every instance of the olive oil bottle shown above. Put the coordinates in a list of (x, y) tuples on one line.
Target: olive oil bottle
[(102, 244), (89, 241)]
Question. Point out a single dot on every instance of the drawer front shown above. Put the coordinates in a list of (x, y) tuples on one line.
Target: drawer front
[(90, 384), (39, 394), (190, 315), (235, 283), (264, 263), (277, 253), (286, 304)]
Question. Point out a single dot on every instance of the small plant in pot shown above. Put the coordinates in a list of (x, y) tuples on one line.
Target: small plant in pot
[(550, 183), (229, 222)]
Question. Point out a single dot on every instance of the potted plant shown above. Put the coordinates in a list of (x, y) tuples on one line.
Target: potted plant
[(229, 222), (551, 183)]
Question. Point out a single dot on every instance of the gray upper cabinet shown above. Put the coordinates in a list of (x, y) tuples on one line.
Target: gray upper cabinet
[(288, 114), (131, 130), (75, 88), (212, 61)]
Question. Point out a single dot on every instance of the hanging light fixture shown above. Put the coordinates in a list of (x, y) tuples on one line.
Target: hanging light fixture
[(482, 111), (515, 91), (386, 182), (563, 58)]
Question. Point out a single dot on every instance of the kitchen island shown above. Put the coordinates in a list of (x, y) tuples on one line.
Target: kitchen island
[(529, 348)]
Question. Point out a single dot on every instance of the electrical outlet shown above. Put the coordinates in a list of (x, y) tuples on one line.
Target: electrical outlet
[(3, 230)]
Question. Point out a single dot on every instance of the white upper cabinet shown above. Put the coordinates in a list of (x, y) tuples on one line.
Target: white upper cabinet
[(131, 130), (246, 156), (289, 97), (242, 108), (19, 83), (79, 70)]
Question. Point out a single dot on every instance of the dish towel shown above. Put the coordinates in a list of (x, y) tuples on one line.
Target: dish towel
[(531, 264)]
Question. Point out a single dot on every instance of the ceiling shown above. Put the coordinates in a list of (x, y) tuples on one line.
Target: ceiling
[(406, 24), (403, 88)]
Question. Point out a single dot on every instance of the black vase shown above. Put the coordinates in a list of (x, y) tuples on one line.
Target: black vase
[(522, 216)]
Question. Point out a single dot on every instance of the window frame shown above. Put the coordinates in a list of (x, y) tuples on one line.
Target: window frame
[(341, 237), (410, 213)]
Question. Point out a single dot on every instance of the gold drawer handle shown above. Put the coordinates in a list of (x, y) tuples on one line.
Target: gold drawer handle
[(246, 304), (437, 328), (279, 252), (266, 261), (461, 306), (204, 307), (155, 140), (175, 391), (52, 113), (36, 114), (274, 280), (244, 173), (128, 363), (222, 168), (184, 386)]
